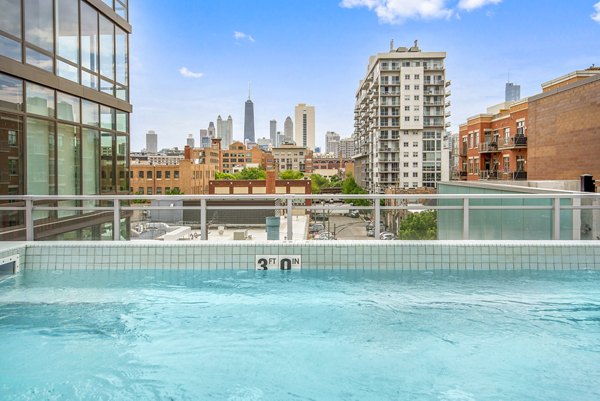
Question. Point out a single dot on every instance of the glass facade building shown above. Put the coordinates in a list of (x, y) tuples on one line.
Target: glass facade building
[(64, 100)]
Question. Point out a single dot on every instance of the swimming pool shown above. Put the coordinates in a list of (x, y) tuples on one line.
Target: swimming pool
[(310, 335)]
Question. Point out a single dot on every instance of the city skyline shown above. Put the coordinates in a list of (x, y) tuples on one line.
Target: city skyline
[(288, 61)]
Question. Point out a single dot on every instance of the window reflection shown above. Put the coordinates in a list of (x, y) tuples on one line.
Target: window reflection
[(67, 107), (106, 162), (39, 60), (107, 50), (67, 30), (11, 157), (91, 115), (40, 100), (122, 56), (10, 48), (89, 38), (11, 93), (39, 29), (40, 158), (90, 161), (10, 18)]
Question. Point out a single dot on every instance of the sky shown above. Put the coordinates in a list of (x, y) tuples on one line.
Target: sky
[(192, 60)]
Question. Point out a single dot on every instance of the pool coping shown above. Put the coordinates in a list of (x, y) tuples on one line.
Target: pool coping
[(344, 255)]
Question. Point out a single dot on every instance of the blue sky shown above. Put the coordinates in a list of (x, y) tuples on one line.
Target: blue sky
[(193, 59)]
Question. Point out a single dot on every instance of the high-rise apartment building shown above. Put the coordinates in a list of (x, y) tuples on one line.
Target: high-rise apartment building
[(151, 142), (400, 120), (190, 141), (288, 130), (332, 143), (273, 132), (512, 92), (64, 108), (346, 148), (305, 126), (249, 121)]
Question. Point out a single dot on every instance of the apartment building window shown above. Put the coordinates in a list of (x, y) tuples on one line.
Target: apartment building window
[(477, 139), (405, 154), (158, 190), (407, 87), (407, 118), (506, 134), (405, 185), (415, 175), (415, 154), (149, 191), (416, 118), (141, 190), (407, 98), (417, 76), (417, 97), (470, 140), (407, 76), (415, 164), (167, 175), (520, 128), (140, 174), (507, 163), (406, 108), (405, 144), (167, 190), (416, 108), (406, 64), (149, 174), (406, 164), (415, 144), (405, 175), (417, 87), (158, 175), (176, 174)]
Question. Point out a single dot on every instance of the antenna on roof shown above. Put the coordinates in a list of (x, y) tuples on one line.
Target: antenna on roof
[(249, 90)]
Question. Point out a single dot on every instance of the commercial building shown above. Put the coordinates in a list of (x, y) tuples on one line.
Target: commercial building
[(239, 156), (64, 110), (305, 126), (225, 131), (151, 142), (191, 175), (249, 121), (512, 92), (190, 141), (273, 132), (332, 143), (291, 157), (288, 131), (400, 120)]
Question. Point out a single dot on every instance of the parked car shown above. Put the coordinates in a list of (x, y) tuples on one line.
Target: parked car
[(371, 232), (324, 236), (316, 227), (387, 236), (371, 226), (320, 217), (353, 213)]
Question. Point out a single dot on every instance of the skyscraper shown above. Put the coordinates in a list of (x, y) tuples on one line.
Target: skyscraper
[(212, 132), (151, 142), (190, 141), (228, 137), (403, 146), (64, 90), (273, 132), (346, 148), (249, 120), (305, 126), (205, 140), (288, 130), (332, 143), (512, 92)]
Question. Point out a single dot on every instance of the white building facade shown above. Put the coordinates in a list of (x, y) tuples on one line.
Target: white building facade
[(400, 121), (305, 126)]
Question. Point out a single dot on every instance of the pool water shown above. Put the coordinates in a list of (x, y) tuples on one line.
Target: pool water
[(319, 335)]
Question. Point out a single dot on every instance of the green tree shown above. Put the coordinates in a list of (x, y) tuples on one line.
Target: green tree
[(252, 173), (174, 191), (224, 176), (350, 187), (291, 175), (317, 182), (419, 226)]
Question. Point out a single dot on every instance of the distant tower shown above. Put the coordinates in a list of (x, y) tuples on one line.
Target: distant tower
[(212, 133), (228, 137), (280, 139), (512, 93), (220, 128), (249, 119), (190, 141), (332, 143), (305, 126), (151, 142), (204, 139), (273, 132), (288, 130)]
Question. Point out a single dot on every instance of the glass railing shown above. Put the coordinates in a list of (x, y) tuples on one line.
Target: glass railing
[(256, 217)]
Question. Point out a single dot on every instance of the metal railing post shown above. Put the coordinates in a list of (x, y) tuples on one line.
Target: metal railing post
[(116, 220), (377, 223), (29, 232), (290, 219), (203, 225), (465, 235), (576, 202), (556, 215)]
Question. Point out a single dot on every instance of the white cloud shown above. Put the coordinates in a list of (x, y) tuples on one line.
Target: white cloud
[(397, 11), (596, 15), (474, 4), (189, 74), (241, 36)]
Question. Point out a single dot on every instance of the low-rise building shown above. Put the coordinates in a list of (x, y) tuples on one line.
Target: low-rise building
[(292, 157), (239, 156)]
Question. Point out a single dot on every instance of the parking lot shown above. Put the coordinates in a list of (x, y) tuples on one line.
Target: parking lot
[(346, 228)]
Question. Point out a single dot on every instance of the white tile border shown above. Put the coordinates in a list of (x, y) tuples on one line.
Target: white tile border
[(343, 255)]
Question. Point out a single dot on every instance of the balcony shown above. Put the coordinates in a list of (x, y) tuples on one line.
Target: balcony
[(514, 142), (463, 151), (488, 147)]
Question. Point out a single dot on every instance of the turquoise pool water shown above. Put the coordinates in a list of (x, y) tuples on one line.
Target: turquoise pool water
[(227, 335)]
